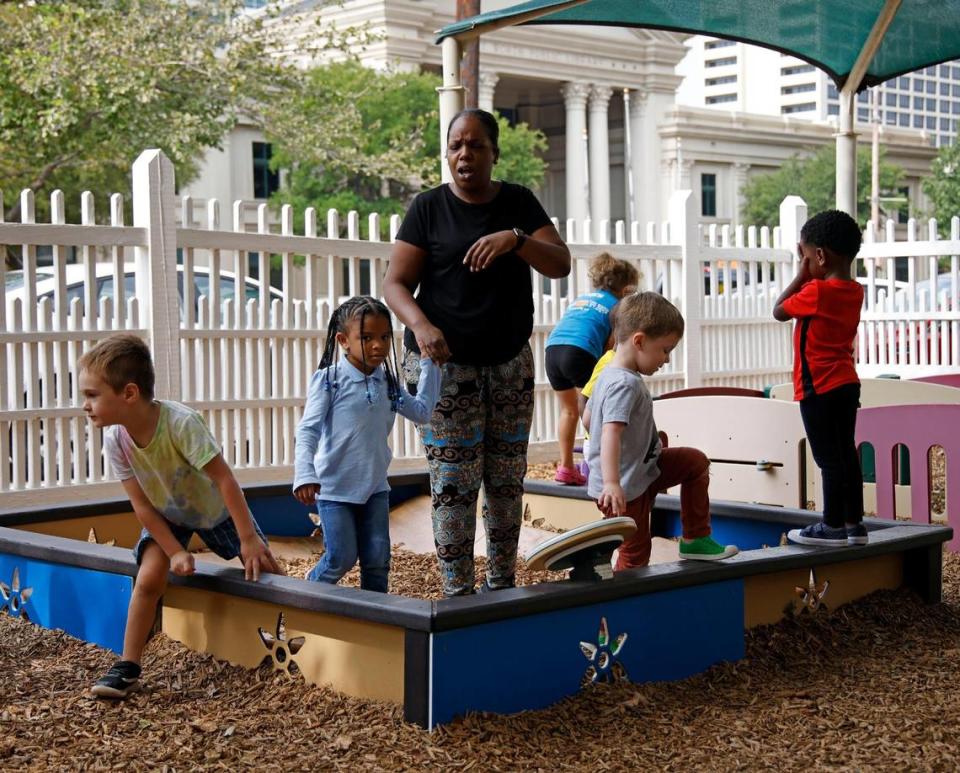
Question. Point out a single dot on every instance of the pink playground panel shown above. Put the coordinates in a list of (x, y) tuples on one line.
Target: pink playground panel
[(944, 379), (918, 427)]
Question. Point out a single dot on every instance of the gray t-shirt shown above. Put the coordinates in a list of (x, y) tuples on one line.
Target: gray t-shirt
[(621, 396)]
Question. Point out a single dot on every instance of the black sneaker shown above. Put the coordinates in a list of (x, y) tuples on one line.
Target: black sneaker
[(818, 534), (122, 679), (857, 535)]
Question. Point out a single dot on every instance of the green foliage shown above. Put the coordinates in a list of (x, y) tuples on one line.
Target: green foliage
[(942, 187), (813, 178), (359, 139), (86, 86)]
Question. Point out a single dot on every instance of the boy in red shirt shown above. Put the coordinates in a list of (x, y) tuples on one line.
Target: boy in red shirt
[(825, 300)]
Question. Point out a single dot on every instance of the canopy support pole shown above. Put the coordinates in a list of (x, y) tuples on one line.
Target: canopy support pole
[(451, 96), (846, 191)]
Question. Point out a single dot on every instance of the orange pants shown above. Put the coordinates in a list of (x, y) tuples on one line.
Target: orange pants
[(688, 467)]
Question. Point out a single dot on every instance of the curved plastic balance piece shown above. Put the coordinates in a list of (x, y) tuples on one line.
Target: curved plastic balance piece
[(586, 549)]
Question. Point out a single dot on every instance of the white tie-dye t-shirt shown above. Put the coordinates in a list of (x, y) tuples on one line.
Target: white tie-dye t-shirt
[(170, 468)]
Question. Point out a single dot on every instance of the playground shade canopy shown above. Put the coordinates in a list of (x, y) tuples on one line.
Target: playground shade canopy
[(826, 33)]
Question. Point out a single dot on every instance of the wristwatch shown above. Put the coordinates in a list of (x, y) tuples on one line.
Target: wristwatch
[(521, 238)]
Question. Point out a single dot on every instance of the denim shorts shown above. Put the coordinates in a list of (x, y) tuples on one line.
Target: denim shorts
[(222, 539)]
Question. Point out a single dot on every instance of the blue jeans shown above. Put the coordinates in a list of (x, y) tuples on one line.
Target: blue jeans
[(352, 531)]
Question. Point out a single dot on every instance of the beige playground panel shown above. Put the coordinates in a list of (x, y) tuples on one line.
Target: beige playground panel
[(756, 446), (875, 392)]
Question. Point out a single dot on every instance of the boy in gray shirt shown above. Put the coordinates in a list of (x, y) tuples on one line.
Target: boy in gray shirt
[(628, 465)]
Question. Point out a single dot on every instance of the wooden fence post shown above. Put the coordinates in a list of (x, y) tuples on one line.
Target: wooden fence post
[(683, 231), (793, 214), (156, 267)]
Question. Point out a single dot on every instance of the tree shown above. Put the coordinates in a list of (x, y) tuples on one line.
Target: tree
[(85, 86), (814, 179), (359, 139), (943, 186)]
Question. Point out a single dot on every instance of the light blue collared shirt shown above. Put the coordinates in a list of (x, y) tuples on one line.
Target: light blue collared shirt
[(342, 436)]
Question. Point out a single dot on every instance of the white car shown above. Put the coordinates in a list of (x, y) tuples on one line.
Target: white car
[(104, 279)]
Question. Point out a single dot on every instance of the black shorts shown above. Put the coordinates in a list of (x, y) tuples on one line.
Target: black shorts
[(568, 366)]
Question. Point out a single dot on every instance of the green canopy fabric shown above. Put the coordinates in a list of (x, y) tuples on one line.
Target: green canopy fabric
[(827, 33)]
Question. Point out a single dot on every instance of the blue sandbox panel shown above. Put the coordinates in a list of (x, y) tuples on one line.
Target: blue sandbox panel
[(283, 516), (532, 662), (85, 603), (745, 533)]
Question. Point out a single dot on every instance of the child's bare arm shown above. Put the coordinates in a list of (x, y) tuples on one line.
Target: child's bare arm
[(255, 554), (803, 276), (612, 499), (181, 561)]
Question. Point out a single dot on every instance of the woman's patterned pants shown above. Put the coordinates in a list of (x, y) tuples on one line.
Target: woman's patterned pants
[(478, 434)]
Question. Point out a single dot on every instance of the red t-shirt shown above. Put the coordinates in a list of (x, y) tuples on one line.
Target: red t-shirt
[(827, 313)]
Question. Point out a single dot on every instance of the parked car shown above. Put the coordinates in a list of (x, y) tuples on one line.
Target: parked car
[(46, 285)]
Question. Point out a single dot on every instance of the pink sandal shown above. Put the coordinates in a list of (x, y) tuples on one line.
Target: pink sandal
[(569, 476)]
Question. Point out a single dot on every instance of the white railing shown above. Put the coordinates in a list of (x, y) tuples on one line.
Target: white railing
[(245, 363)]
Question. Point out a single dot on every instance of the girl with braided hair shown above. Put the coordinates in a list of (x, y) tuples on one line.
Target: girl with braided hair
[(342, 454)]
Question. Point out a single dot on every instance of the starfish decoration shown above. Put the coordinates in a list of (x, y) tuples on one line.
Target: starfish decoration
[(602, 657), (811, 597), (281, 650), (12, 598)]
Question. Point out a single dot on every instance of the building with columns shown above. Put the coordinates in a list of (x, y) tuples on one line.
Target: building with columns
[(606, 99)]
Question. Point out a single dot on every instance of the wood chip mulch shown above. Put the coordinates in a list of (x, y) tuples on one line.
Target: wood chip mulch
[(872, 685), (415, 575)]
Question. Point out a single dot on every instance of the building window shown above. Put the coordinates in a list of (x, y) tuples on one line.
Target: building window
[(931, 87), (798, 89), (891, 119), (944, 89), (903, 209), (955, 90), (708, 195), (918, 84), (254, 3), (944, 71), (832, 91), (904, 119), (904, 83), (944, 124), (956, 73), (721, 99), (931, 122), (944, 105), (711, 44), (955, 108), (833, 109), (904, 101), (720, 62), (796, 69), (265, 182), (862, 113), (862, 96), (801, 108), (720, 81), (918, 103), (931, 105), (891, 100)]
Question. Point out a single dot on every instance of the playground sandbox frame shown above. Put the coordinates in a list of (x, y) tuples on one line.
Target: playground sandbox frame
[(517, 649)]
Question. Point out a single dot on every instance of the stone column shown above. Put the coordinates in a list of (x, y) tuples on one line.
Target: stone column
[(599, 159), (739, 181), (575, 101), (640, 156), (488, 82)]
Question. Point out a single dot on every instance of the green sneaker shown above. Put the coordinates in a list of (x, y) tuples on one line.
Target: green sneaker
[(706, 549)]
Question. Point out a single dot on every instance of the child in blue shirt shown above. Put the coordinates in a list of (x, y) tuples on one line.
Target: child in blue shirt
[(342, 454), (575, 345)]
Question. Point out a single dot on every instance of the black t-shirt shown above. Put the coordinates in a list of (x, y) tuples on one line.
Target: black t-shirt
[(486, 316)]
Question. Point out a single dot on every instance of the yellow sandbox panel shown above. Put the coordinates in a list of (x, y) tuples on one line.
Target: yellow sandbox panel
[(353, 656), (767, 597), (123, 528)]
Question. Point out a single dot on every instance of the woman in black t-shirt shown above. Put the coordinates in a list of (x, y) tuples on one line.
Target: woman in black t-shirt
[(469, 246)]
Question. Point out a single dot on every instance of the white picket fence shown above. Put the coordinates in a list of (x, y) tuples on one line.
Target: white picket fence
[(245, 363)]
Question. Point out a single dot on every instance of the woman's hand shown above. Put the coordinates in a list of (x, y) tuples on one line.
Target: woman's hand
[(488, 248), (431, 342)]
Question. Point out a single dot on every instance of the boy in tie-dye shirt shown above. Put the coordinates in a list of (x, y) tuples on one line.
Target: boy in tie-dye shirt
[(178, 483)]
